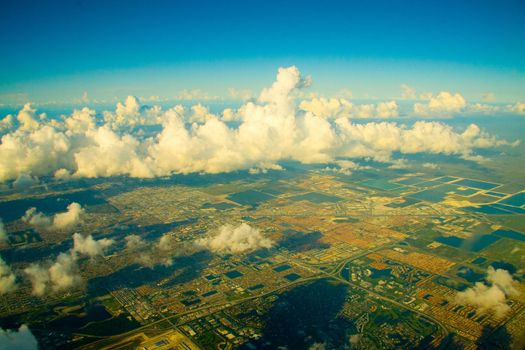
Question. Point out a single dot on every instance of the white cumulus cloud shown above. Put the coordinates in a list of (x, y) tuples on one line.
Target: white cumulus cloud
[(444, 104), (267, 130), (7, 278), (64, 221), (61, 275), (89, 246), (491, 297), (235, 239)]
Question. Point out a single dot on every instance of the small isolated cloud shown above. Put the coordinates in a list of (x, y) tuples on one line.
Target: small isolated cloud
[(166, 243), (21, 339), (490, 297), (408, 92), (61, 275), (134, 242), (430, 166), (7, 278), (89, 246), (38, 220), (444, 104), (68, 219), (160, 253), (235, 239), (61, 221), (3, 232)]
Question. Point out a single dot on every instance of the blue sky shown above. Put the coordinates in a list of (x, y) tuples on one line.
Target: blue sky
[(56, 50)]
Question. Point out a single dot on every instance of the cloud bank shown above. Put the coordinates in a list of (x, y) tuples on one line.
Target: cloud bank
[(490, 297), (268, 129), (235, 239)]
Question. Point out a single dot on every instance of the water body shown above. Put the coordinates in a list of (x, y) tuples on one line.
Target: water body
[(510, 234), (482, 185), (516, 200), (381, 184), (250, 197), (473, 244), (488, 209), (469, 274), (218, 206), (71, 323)]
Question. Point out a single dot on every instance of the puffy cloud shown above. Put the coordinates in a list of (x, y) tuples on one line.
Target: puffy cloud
[(165, 243), (491, 297), (60, 275), (518, 108), (340, 107), (134, 242), (27, 118), (235, 239), (36, 219), (444, 104), (89, 246), (380, 140), (7, 123), (3, 232), (61, 221), (38, 152), (160, 253), (108, 155), (387, 110), (39, 277), (80, 120), (21, 339), (327, 107), (269, 129), (503, 279), (7, 278), (68, 219)]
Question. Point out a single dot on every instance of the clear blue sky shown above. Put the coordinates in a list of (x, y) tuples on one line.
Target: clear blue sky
[(52, 49)]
